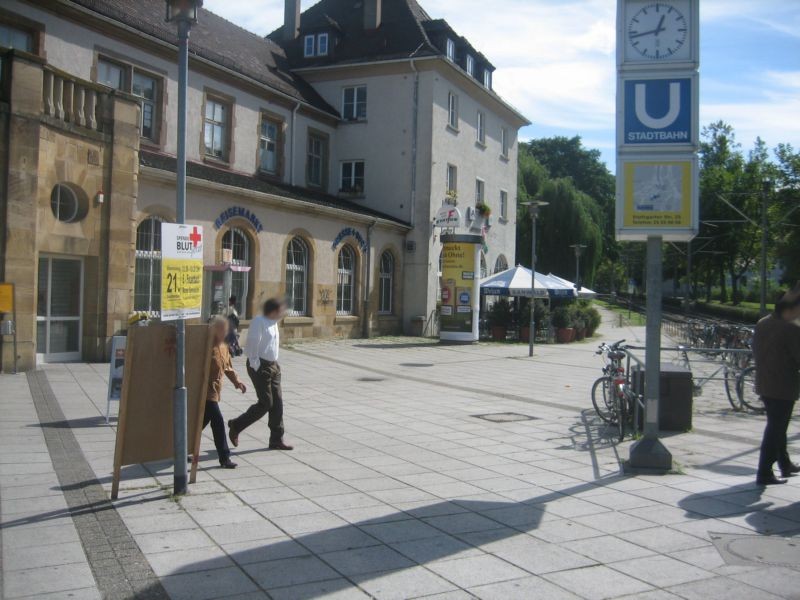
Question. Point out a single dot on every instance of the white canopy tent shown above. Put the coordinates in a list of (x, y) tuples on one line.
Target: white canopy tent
[(516, 282), (584, 292)]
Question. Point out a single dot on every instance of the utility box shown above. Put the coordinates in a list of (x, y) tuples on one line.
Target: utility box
[(677, 396)]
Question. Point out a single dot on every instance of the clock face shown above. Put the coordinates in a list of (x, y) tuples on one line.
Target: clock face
[(658, 31)]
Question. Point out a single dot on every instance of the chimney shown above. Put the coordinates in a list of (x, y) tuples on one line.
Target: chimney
[(291, 20), (372, 14)]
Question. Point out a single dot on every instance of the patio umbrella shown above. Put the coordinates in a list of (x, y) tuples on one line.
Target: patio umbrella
[(584, 291), (516, 282)]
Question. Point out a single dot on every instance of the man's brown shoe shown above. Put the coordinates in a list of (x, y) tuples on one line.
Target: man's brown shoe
[(233, 435), (280, 446)]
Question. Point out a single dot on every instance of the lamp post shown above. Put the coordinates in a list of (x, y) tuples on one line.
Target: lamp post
[(533, 211), (578, 252), (766, 188), (184, 14)]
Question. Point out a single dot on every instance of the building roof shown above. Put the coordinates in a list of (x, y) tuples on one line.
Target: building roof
[(168, 163), (217, 40), (400, 35)]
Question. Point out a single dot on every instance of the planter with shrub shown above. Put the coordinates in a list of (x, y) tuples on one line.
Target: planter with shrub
[(564, 325), (500, 319)]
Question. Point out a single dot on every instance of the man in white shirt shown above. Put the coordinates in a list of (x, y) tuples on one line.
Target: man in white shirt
[(261, 350)]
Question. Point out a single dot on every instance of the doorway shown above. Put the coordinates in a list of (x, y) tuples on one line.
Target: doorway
[(59, 309)]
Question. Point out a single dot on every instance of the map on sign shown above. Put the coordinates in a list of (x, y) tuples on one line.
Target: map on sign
[(181, 271), (658, 188)]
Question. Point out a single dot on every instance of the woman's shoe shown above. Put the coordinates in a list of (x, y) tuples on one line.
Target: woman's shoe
[(228, 464)]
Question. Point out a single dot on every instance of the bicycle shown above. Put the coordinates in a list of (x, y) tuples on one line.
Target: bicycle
[(732, 366), (612, 396), (746, 390)]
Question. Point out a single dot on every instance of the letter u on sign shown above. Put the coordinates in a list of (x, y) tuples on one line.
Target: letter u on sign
[(658, 122)]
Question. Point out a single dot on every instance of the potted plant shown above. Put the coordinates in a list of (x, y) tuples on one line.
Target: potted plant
[(562, 321), (594, 319), (451, 197), (484, 210), (500, 319), (541, 316)]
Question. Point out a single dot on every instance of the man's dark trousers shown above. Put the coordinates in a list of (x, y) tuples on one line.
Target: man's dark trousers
[(213, 415), (267, 383), (773, 446)]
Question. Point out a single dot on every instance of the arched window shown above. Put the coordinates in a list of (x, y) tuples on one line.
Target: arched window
[(501, 264), (238, 243), (386, 284), (297, 277), (484, 269), (346, 286), (147, 285)]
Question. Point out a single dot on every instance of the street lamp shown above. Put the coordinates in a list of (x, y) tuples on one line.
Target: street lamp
[(533, 211), (184, 14), (578, 251)]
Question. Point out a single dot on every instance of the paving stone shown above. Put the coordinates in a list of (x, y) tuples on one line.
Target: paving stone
[(360, 561), (476, 570), (204, 585), (720, 587), (661, 571), (527, 587), (333, 589), (415, 582), (289, 571), (597, 582)]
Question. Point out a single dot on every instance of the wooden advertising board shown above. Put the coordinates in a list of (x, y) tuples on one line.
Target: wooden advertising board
[(144, 427)]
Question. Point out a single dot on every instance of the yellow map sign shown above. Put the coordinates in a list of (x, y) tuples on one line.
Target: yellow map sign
[(181, 271), (6, 297)]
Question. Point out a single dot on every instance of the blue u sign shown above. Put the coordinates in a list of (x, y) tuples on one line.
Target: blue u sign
[(658, 111)]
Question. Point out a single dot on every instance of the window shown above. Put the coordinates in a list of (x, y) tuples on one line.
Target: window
[(309, 46), (501, 264), (316, 160), (470, 65), (345, 288), (487, 79), (147, 278), (451, 50), (138, 83), (354, 103), (503, 204), (479, 191), (386, 284), (481, 128), (216, 129), (268, 146), (297, 276), (452, 110), (146, 89), (352, 177), (64, 203), (452, 180), (12, 37), (238, 243), (504, 142), (322, 44), (111, 74)]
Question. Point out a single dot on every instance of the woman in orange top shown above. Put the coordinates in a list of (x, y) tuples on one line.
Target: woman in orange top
[(220, 365)]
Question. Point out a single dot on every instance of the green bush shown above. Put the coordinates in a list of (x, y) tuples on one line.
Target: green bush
[(563, 317), (593, 320), (541, 312), (500, 314), (732, 313)]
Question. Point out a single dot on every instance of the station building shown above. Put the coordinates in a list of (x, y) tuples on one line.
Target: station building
[(317, 159)]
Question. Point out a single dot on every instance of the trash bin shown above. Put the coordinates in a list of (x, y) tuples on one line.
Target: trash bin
[(677, 394)]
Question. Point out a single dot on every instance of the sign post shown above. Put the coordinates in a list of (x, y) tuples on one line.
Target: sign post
[(460, 288), (658, 49)]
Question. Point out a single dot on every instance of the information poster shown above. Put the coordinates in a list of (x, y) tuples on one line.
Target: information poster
[(181, 271), (459, 282), (659, 197)]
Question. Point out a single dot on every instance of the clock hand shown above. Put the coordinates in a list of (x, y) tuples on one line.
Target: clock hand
[(637, 35), (661, 27)]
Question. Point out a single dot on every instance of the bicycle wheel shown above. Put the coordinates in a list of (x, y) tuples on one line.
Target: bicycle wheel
[(619, 403), (602, 400), (746, 390), (731, 383)]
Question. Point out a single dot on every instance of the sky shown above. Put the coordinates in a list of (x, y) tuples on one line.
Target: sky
[(555, 61)]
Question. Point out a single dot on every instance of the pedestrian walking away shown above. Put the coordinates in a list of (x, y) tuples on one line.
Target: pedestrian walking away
[(262, 349), (776, 350), (220, 366)]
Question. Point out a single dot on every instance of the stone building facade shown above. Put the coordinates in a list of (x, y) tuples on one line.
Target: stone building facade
[(314, 176)]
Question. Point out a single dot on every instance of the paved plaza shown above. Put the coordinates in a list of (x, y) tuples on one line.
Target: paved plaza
[(397, 489)]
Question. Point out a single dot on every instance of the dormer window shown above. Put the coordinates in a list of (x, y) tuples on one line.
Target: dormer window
[(487, 79), (470, 65), (316, 45), (451, 50), (309, 46), (322, 44)]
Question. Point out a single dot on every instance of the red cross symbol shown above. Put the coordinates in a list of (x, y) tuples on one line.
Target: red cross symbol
[(195, 237)]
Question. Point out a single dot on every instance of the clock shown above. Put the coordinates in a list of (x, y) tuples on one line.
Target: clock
[(658, 31)]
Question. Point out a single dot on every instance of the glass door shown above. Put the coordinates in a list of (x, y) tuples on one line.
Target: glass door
[(59, 309)]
